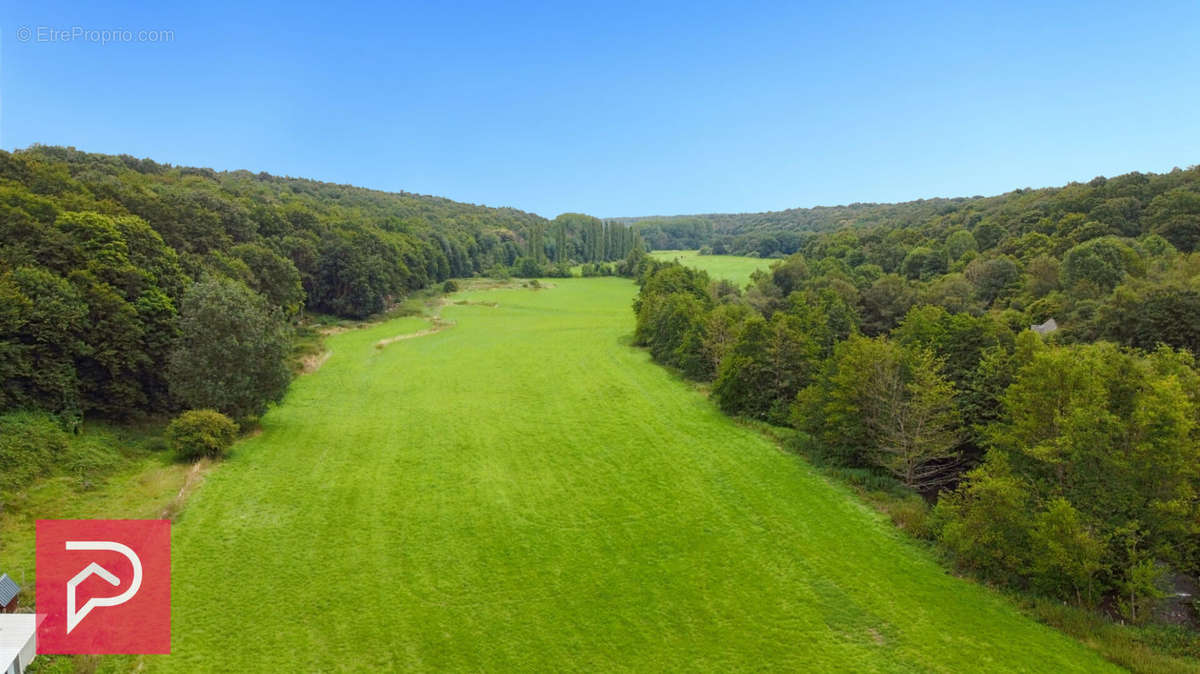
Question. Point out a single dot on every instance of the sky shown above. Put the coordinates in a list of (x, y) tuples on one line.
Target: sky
[(618, 109)]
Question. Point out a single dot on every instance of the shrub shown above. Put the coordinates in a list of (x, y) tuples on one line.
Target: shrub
[(197, 434), (911, 515), (560, 270), (449, 286), (527, 267)]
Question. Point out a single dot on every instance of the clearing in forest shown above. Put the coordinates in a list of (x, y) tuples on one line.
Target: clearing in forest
[(525, 491), (735, 268)]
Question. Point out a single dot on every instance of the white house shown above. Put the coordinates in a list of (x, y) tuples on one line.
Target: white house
[(18, 641)]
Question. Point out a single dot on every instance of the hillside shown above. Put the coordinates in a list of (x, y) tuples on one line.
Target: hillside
[(99, 252), (1129, 204), (203, 215)]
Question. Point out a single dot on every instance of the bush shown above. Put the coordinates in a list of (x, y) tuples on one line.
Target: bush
[(560, 270), (197, 434), (527, 267), (449, 286), (911, 515)]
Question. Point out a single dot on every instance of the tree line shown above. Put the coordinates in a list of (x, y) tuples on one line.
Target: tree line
[(1065, 464), (574, 238)]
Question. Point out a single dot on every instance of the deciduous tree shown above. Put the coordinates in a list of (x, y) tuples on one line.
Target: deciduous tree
[(232, 349)]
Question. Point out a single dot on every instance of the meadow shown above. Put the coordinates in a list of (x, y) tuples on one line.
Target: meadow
[(735, 268), (523, 490)]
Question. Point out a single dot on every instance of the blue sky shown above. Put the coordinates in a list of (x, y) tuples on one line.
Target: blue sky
[(622, 109)]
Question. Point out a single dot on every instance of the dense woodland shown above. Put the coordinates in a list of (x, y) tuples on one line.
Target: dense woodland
[(129, 286), (778, 233), (1116, 203), (899, 342)]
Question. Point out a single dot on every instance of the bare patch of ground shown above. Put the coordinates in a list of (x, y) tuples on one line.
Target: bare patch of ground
[(310, 364), (195, 477)]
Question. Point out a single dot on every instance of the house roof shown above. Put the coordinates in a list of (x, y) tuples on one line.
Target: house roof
[(8, 589), (18, 632), (1045, 328)]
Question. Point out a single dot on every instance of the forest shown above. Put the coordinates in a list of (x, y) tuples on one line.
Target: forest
[(130, 287), (1115, 202), (898, 340)]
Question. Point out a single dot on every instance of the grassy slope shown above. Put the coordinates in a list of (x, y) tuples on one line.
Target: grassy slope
[(525, 491), (143, 484), (732, 267)]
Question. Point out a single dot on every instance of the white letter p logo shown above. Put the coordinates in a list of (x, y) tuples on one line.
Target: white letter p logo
[(73, 617)]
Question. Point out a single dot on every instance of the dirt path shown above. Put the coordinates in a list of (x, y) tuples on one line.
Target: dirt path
[(438, 326), (312, 363), (191, 483)]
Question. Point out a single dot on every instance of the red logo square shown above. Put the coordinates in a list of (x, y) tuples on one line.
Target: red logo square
[(104, 586)]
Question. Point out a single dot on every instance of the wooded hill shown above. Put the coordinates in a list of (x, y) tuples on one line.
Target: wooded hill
[(1127, 205), (99, 252)]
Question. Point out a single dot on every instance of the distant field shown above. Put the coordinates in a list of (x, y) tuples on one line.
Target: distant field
[(731, 267), (524, 491)]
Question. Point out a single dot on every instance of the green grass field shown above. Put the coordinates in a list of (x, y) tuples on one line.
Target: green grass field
[(730, 267), (525, 491)]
